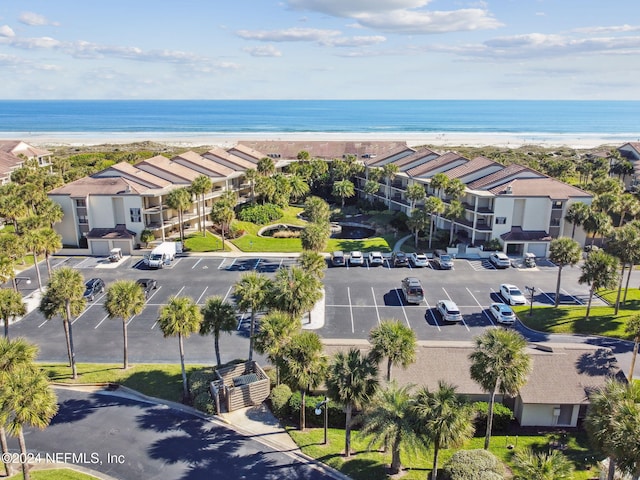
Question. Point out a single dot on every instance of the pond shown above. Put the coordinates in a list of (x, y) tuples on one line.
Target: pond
[(352, 231)]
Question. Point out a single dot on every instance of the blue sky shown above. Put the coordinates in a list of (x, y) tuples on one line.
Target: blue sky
[(320, 49)]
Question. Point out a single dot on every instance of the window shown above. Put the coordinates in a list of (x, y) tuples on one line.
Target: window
[(83, 220), (557, 205), (81, 202), (501, 220), (555, 222), (134, 213)]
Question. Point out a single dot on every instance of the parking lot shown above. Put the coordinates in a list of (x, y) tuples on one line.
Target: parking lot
[(356, 300)]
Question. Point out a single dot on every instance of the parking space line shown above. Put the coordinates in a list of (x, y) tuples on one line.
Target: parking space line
[(575, 299), (463, 322), (281, 260), (255, 267), (202, 295), (232, 263), (403, 310), (550, 298), (86, 309), (353, 329), (367, 262), (100, 322), (375, 304), (78, 265), (484, 311), (42, 324), (138, 264), (222, 263), (227, 295), (432, 315), (196, 264), (241, 320)]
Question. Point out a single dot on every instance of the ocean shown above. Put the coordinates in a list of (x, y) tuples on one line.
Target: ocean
[(269, 117)]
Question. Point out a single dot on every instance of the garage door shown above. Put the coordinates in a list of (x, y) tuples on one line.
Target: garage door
[(99, 247), (125, 245), (538, 249)]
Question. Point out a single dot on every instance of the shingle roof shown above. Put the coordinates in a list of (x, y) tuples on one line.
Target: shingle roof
[(517, 234), (145, 178), (216, 169), (504, 174), (172, 168), (238, 163), (386, 157), (254, 155), (404, 162), (99, 186), (439, 162), (117, 233), (539, 187), (471, 166)]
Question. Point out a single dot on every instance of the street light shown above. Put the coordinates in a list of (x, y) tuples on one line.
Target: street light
[(17, 280), (318, 411)]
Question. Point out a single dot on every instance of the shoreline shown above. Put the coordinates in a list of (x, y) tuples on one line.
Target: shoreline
[(229, 139)]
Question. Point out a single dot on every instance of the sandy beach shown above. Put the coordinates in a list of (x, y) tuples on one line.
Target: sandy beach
[(225, 140)]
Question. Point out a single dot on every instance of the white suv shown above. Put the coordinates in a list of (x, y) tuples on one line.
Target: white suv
[(449, 311), (375, 259), (356, 258), (512, 294), (500, 260), (419, 260)]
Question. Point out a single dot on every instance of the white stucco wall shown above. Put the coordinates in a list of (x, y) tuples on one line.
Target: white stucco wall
[(541, 415), (67, 228)]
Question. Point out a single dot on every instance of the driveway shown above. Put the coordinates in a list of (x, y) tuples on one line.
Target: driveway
[(131, 440)]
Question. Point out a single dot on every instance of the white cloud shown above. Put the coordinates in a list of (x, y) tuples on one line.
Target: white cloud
[(609, 29), (35, 43), (354, 41), (288, 35), (34, 19), (263, 51), (350, 8), (6, 31)]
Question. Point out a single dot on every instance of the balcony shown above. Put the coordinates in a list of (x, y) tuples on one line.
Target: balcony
[(483, 210)]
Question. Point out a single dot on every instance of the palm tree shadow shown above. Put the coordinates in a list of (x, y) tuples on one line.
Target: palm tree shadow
[(600, 362)]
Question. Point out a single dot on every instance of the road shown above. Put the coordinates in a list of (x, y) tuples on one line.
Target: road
[(129, 439)]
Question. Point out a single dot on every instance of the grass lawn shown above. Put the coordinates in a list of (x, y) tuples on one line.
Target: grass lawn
[(156, 380), (569, 319), (209, 243), (371, 465), (55, 474)]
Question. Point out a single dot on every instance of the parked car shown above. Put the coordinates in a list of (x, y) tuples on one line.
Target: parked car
[(147, 285), (338, 259), (449, 311), (512, 294), (443, 260), (412, 290), (419, 259), (93, 287), (502, 313), (500, 260), (375, 259), (356, 258), (400, 259)]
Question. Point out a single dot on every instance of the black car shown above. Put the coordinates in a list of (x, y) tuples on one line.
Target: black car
[(400, 259), (147, 285), (93, 287)]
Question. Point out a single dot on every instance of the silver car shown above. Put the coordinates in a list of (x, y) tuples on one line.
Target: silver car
[(375, 259), (500, 260), (356, 258), (449, 311), (502, 313), (419, 259)]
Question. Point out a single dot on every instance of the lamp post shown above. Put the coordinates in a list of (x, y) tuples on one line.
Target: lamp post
[(318, 411), (532, 291), (17, 280)]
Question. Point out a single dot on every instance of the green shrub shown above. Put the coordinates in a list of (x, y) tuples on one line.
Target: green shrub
[(399, 221), (336, 411), (493, 245), (260, 214), (280, 397), (204, 403), (200, 380), (502, 417), (272, 374), (473, 465)]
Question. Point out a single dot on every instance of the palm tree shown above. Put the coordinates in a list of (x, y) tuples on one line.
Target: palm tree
[(51, 242), (201, 185), (389, 171), (352, 381), (276, 331), (180, 200), (415, 192), (124, 300), (454, 211), (13, 355), (12, 207), (313, 262), (50, 212), (371, 187), (633, 329), (420, 219), (396, 342), (596, 222), (433, 206), (438, 183), (314, 236), (11, 306), (454, 188), (542, 465), (600, 270), (444, 418), (499, 363), (624, 244), (8, 270), (217, 316), (627, 203), (343, 189), (266, 167), (223, 213), (299, 187), (180, 317), (251, 174), (563, 251), (389, 420), (316, 210), (26, 399), (305, 365), (606, 202), (607, 424), (65, 297), (577, 213), (34, 242), (251, 293), (295, 291)]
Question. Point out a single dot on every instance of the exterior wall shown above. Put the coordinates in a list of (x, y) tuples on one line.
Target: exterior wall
[(541, 415), (103, 214), (67, 228), (537, 212)]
